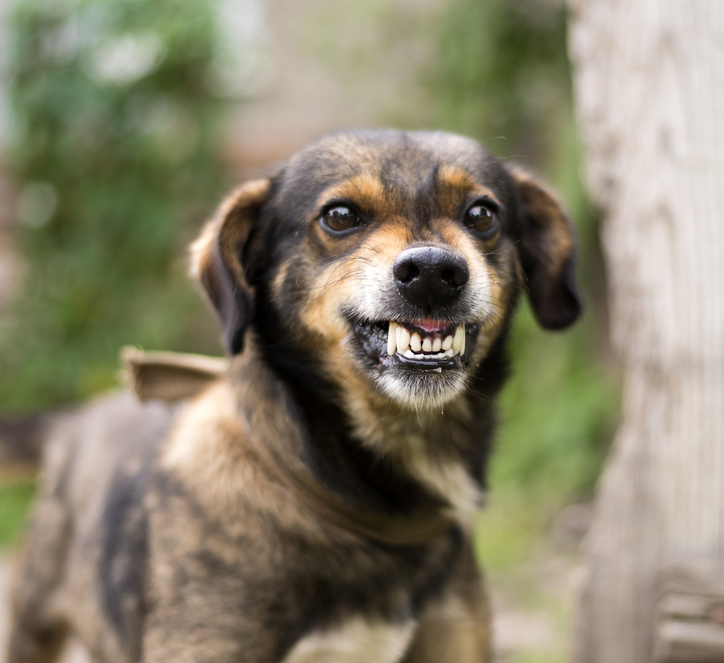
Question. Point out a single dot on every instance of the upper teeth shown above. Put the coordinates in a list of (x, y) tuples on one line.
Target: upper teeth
[(400, 340)]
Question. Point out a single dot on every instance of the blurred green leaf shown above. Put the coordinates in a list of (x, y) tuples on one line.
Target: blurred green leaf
[(15, 499), (115, 147)]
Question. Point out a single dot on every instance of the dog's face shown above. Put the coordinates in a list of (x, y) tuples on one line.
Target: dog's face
[(388, 259)]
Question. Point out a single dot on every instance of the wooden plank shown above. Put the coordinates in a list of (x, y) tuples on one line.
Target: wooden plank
[(685, 606), (690, 626), (703, 576), (689, 642)]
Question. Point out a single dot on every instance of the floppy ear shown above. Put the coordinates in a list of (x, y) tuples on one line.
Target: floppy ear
[(547, 252), (217, 260)]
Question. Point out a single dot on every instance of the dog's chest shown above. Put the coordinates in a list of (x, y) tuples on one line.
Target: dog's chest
[(446, 478), (357, 640)]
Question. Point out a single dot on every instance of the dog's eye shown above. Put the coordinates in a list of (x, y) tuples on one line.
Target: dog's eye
[(482, 219), (339, 218)]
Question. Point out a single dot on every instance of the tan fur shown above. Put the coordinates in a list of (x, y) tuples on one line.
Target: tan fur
[(315, 502), (356, 641), (455, 184), (365, 188)]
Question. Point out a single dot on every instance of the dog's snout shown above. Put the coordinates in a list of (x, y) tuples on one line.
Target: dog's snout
[(430, 277)]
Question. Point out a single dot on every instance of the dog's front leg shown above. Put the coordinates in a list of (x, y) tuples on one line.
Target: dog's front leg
[(455, 627)]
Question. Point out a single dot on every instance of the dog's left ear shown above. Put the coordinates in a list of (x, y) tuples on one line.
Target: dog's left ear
[(217, 260), (547, 252)]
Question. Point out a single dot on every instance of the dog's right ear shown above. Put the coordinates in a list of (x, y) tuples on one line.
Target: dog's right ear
[(217, 263)]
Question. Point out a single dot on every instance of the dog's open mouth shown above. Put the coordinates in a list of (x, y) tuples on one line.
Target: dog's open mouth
[(425, 344)]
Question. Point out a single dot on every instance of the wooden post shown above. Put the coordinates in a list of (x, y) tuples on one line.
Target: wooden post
[(649, 84)]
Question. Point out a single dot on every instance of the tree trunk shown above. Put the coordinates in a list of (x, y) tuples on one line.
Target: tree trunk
[(649, 82)]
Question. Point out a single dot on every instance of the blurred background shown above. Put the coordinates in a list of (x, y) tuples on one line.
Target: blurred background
[(122, 122)]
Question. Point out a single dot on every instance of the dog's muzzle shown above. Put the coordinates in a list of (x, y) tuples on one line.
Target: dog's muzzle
[(429, 334)]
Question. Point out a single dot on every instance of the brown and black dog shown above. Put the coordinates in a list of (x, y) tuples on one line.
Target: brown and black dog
[(315, 503)]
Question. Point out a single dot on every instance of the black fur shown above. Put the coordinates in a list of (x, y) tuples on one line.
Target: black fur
[(309, 487)]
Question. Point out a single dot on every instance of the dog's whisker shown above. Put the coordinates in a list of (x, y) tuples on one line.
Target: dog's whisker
[(500, 249)]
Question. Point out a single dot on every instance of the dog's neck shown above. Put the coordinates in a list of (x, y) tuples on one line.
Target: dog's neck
[(365, 448)]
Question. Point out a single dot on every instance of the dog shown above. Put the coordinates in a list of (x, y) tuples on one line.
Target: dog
[(315, 502)]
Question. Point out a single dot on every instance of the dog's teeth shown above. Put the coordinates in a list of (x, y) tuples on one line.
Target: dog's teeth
[(427, 345), (449, 352), (462, 345), (447, 343), (458, 339), (410, 354), (392, 339), (436, 344), (415, 342), (403, 339)]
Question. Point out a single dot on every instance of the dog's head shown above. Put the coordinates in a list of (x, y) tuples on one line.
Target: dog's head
[(388, 257)]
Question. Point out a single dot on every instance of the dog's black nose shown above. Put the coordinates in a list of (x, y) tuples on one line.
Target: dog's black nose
[(430, 277)]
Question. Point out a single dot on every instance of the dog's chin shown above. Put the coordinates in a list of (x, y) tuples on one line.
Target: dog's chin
[(419, 364)]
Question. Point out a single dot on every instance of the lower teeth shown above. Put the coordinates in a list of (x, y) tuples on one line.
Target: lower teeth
[(421, 355)]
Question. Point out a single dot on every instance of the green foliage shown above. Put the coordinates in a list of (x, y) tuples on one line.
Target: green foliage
[(15, 498), (114, 146), (556, 413), (503, 76), (503, 71)]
